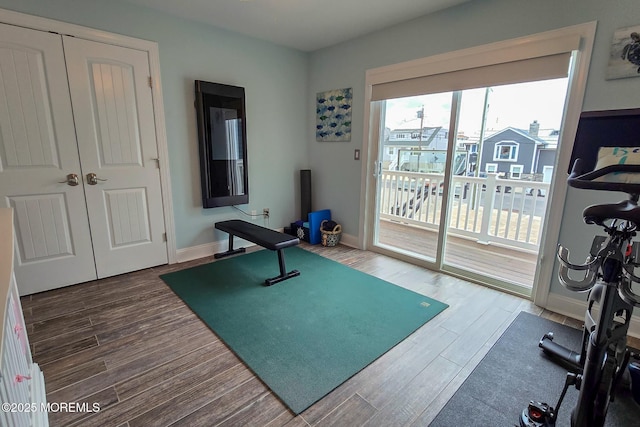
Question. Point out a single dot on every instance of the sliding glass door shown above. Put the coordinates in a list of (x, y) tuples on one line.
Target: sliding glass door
[(461, 152), (463, 178), (413, 149), (498, 200)]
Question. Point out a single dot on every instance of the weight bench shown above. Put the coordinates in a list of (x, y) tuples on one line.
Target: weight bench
[(265, 237)]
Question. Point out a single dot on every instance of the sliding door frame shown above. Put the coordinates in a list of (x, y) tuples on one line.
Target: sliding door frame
[(580, 40)]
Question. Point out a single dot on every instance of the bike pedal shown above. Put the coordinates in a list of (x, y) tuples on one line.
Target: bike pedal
[(537, 414)]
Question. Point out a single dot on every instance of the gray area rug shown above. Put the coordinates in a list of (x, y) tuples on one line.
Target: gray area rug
[(516, 371)]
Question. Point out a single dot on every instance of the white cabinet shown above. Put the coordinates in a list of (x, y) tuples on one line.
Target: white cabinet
[(22, 391)]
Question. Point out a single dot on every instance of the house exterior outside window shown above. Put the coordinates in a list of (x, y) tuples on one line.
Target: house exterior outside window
[(491, 168), (506, 151), (515, 171)]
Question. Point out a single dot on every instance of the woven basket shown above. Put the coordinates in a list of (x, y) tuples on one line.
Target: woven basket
[(330, 238)]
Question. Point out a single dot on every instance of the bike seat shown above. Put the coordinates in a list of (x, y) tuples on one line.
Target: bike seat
[(625, 210)]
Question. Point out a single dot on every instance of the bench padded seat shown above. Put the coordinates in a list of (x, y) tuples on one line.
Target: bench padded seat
[(265, 237)]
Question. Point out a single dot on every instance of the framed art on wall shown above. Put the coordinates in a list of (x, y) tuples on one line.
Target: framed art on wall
[(624, 58), (333, 115)]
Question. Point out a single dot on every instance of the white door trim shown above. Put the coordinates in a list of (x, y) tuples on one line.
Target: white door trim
[(45, 24)]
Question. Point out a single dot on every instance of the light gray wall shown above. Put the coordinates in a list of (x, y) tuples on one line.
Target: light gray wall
[(337, 176), (275, 80)]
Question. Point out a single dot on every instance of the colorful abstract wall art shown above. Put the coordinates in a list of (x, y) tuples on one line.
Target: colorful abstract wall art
[(333, 115)]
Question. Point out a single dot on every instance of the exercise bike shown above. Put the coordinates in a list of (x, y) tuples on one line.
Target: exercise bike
[(608, 275)]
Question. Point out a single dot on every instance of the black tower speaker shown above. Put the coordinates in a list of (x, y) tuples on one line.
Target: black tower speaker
[(305, 193)]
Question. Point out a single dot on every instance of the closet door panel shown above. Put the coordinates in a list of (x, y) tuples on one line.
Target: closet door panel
[(112, 104), (38, 150)]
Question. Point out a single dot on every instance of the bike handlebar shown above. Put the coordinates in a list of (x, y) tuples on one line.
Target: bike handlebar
[(579, 178), (563, 272), (587, 180), (627, 294), (625, 290), (591, 267)]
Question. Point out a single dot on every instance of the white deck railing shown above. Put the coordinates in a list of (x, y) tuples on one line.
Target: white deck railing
[(516, 207)]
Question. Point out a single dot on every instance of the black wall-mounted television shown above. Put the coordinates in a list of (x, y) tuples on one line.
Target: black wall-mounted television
[(222, 134)]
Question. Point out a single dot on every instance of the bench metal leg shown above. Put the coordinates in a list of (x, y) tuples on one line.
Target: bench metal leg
[(283, 271), (229, 251)]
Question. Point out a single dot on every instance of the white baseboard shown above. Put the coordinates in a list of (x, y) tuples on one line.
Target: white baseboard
[(573, 308), (208, 249), (349, 240)]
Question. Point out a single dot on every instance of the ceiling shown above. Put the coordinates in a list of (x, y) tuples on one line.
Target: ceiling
[(306, 25)]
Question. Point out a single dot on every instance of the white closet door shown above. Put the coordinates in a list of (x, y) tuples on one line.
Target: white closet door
[(113, 111), (38, 149)]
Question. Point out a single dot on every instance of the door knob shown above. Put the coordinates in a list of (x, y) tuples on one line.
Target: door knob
[(72, 180), (92, 179)]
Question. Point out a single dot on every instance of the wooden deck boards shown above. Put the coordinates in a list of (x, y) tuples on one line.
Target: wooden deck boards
[(495, 261)]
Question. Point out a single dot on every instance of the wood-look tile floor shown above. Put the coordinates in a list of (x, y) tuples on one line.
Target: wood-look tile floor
[(129, 344)]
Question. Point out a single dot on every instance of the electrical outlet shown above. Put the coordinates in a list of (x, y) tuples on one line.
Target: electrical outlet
[(265, 212), (254, 212)]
